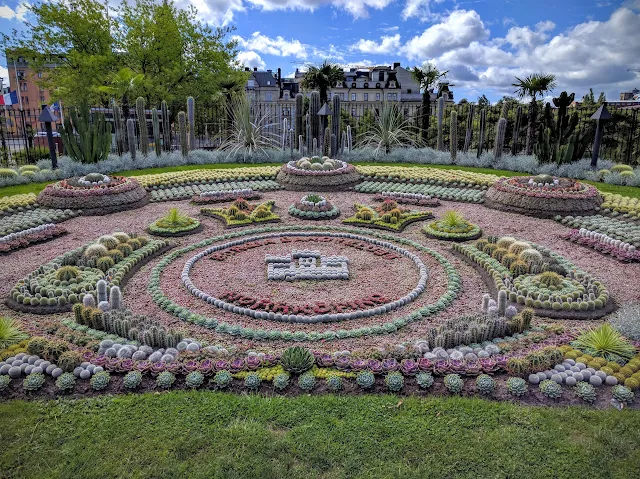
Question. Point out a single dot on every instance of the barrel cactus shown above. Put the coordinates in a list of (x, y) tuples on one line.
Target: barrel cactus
[(453, 383), (100, 380), (165, 379), (365, 379), (33, 382), (66, 382), (194, 379), (585, 391), (281, 381), (424, 380), (394, 381), (222, 379), (252, 381), (517, 386), (622, 394), (485, 384), (551, 389), (307, 381), (132, 379), (297, 360)]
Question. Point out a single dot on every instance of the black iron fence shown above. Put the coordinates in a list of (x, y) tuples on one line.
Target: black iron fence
[(23, 139)]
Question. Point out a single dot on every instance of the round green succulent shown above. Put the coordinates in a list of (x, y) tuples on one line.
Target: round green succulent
[(132, 379), (222, 379), (585, 391), (66, 382), (307, 381), (4, 381), (334, 383), (194, 379), (365, 379), (424, 380), (281, 381), (252, 381), (517, 386), (394, 381), (551, 389), (100, 380), (165, 379), (37, 345), (33, 382), (453, 383), (485, 384), (622, 394), (297, 359)]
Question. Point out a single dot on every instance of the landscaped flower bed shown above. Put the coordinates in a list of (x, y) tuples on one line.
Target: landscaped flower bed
[(207, 176), (30, 236), (387, 216), (15, 203), (543, 196), (619, 205), (434, 176), (23, 220), (604, 244), (468, 195), (182, 192), (408, 198), (217, 196), (317, 174), (452, 227), (314, 207), (242, 213), (174, 224)]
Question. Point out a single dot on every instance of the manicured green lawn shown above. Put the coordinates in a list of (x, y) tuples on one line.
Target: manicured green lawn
[(37, 187), (210, 435)]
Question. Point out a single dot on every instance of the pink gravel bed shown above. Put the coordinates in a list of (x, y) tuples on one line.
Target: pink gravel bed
[(370, 271)]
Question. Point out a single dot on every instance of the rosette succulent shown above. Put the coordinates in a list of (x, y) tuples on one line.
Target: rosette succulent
[(222, 379), (307, 381), (394, 381), (551, 389), (281, 381), (194, 379), (424, 380), (100, 380), (585, 391), (622, 394), (165, 380), (334, 383), (365, 379), (297, 360), (33, 382), (485, 384), (517, 386), (252, 381), (5, 380), (453, 383), (66, 382), (132, 379)]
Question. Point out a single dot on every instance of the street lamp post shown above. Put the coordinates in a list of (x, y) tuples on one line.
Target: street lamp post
[(601, 115), (47, 117)]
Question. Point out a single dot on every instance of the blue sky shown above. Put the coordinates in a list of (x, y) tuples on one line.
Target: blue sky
[(484, 43)]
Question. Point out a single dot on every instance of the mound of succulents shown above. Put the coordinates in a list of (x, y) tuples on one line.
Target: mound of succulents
[(94, 194), (543, 196), (242, 213), (314, 207), (452, 227), (174, 224), (318, 173), (30, 236), (223, 196), (417, 199), (388, 215)]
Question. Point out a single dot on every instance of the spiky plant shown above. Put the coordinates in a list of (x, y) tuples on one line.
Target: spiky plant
[(452, 219), (10, 332), (605, 342), (297, 359), (517, 386), (424, 380), (391, 129)]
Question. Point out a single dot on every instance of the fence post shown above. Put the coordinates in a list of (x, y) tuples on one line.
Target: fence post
[(47, 117), (601, 115)]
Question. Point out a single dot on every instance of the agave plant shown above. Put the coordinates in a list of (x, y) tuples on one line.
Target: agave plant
[(452, 219), (248, 133), (390, 129), (297, 359), (605, 342), (10, 333)]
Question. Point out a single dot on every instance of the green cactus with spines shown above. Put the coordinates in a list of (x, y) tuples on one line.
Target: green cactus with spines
[(182, 125), (335, 124), (453, 136), (299, 116), (517, 386), (166, 128), (222, 379), (314, 108), (326, 142), (469, 130), (142, 125), (501, 131), (306, 381), (440, 123), (118, 127), (481, 133), (157, 140), (191, 119), (131, 137), (86, 141)]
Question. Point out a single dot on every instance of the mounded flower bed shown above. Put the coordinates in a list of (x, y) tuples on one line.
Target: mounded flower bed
[(94, 194), (388, 216), (543, 196), (452, 227), (314, 207), (242, 213), (320, 174), (174, 224)]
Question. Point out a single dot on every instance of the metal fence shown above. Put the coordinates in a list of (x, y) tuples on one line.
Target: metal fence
[(22, 138)]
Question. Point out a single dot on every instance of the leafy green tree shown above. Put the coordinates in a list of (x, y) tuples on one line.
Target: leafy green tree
[(427, 77), (483, 101), (589, 99), (602, 98), (532, 86), (322, 78)]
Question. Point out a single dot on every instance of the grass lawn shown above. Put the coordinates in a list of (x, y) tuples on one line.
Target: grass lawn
[(207, 434), (631, 191)]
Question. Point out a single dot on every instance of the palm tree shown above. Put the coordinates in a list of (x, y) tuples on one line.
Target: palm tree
[(322, 78), (427, 77), (533, 85), (390, 129)]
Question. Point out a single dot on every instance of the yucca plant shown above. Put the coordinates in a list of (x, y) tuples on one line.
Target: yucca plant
[(605, 342), (10, 333), (452, 219), (390, 129), (248, 132)]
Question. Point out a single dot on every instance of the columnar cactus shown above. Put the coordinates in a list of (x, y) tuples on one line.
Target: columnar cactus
[(502, 302), (469, 132), (326, 142), (335, 123), (334, 144), (101, 289), (88, 301), (115, 297), (308, 133), (349, 138), (483, 120), (299, 116), (191, 118), (142, 125), (440, 123), (453, 136), (343, 142), (118, 126), (485, 302), (157, 142), (301, 144), (516, 131), (131, 137), (283, 138), (182, 125), (166, 126), (314, 147), (314, 108), (501, 130), (504, 113)]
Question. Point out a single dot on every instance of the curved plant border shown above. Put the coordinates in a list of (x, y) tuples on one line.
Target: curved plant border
[(296, 318), (475, 233), (400, 228), (453, 288), (334, 212), (177, 234)]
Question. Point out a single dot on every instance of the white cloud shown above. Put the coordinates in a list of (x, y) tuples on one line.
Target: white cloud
[(357, 8), (420, 9), (524, 37), (394, 28), (19, 13), (215, 12), (273, 46), (389, 44), (251, 59), (458, 30)]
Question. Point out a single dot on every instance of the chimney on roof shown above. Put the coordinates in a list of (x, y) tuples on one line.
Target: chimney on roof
[(247, 69), (255, 69), (396, 65)]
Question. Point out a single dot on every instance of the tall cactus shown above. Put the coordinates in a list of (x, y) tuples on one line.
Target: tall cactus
[(86, 141), (182, 124), (314, 108), (299, 116), (349, 138), (314, 147), (191, 118), (308, 133), (343, 142), (335, 123), (453, 136), (483, 121), (142, 125), (500, 133), (118, 127), (440, 123), (101, 289), (326, 142), (166, 126), (285, 132), (157, 141), (469, 133), (131, 137), (504, 113), (516, 131)]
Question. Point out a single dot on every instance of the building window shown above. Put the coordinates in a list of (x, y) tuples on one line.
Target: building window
[(39, 74), (251, 83), (388, 96), (377, 96), (381, 76), (395, 96), (42, 99), (408, 90), (268, 96), (23, 86), (20, 74), (366, 97), (268, 82), (353, 97), (353, 112), (342, 96)]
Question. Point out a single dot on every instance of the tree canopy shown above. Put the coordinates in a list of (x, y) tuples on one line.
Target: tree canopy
[(143, 48), (322, 78)]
